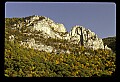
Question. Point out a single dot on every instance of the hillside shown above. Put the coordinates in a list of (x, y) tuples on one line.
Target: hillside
[(36, 46), (111, 42)]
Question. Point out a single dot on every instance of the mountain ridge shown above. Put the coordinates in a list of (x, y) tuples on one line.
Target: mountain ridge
[(33, 53), (49, 29)]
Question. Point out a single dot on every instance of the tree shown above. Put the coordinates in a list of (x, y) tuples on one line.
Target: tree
[(110, 42)]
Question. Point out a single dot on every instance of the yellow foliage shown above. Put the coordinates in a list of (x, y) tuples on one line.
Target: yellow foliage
[(29, 75), (82, 48), (76, 72), (87, 64), (75, 67), (77, 63), (82, 65), (57, 62), (93, 65), (110, 72), (106, 52), (61, 56), (49, 54), (106, 64), (61, 59), (98, 63)]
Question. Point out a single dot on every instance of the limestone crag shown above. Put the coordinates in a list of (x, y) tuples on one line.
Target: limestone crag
[(49, 29), (44, 24), (42, 21), (86, 37), (31, 43)]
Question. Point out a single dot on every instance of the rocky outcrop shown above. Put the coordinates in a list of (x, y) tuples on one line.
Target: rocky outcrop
[(58, 27), (42, 23), (78, 34), (30, 43), (86, 37)]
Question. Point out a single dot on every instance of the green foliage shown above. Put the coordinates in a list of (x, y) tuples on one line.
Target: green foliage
[(110, 42), (11, 21)]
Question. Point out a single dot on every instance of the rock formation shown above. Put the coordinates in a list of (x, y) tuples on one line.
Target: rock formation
[(86, 38), (78, 34)]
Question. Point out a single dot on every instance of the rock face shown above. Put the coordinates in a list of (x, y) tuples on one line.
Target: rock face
[(86, 38), (58, 27), (31, 44), (78, 34), (41, 22), (44, 24)]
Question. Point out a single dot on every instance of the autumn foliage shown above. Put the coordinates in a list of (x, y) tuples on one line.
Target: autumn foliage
[(81, 62)]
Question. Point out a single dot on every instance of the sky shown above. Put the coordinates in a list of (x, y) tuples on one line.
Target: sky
[(99, 17)]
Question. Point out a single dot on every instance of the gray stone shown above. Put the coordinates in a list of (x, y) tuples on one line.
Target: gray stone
[(90, 39), (50, 29)]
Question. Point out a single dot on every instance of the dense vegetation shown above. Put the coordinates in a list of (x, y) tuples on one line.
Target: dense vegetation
[(110, 42), (23, 62), (82, 62)]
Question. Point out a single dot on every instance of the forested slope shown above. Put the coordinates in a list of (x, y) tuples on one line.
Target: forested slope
[(28, 62)]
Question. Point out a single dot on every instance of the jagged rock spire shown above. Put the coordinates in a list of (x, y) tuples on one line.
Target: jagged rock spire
[(86, 37)]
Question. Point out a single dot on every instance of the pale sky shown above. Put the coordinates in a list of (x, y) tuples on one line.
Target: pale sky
[(99, 17)]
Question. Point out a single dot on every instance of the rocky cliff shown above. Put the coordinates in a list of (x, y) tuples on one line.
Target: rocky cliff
[(46, 28), (87, 38)]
